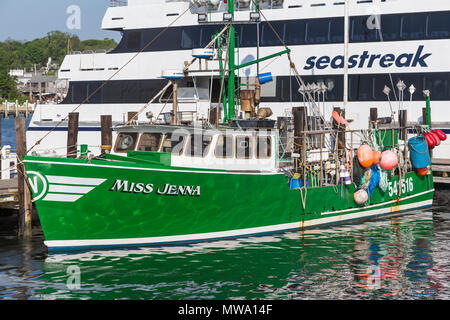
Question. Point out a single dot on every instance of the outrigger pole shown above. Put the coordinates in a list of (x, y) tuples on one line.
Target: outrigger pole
[(231, 62), (233, 67)]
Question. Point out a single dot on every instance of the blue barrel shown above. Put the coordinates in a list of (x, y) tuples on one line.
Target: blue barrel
[(297, 183), (418, 150), (265, 77)]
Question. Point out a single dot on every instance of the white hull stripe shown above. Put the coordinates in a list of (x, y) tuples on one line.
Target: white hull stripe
[(233, 233), (75, 180), (69, 189), (61, 197)]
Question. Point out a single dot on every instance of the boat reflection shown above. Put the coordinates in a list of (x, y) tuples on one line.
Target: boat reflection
[(377, 260)]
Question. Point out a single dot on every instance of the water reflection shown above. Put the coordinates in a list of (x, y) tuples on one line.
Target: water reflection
[(389, 259), (399, 258)]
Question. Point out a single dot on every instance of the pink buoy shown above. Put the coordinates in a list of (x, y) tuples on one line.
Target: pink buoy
[(388, 160)]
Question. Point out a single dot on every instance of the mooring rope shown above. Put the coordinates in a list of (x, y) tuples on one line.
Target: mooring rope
[(113, 75)]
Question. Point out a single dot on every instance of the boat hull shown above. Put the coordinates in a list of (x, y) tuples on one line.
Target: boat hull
[(99, 203)]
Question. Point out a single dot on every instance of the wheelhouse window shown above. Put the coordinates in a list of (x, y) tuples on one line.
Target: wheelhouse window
[(263, 147), (198, 145), (173, 143), (244, 147), (150, 142), (224, 147), (126, 142)]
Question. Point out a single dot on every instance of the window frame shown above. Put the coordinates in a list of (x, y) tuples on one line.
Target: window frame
[(251, 153), (137, 137), (269, 147), (138, 145), (232, 147), (188, 146)]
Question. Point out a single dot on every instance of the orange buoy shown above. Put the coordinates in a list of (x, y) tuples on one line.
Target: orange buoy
[(376, 157), (365, 155), (422, 171)]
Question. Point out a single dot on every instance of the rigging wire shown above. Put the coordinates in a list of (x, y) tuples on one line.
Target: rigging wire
[(113, 75)]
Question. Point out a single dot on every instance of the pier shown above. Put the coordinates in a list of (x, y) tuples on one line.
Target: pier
[(441, 171), (14, 109)]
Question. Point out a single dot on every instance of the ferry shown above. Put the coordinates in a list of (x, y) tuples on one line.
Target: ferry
[(388, 41)]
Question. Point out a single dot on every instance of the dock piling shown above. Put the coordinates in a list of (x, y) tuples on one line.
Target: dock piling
[(25, 227), (72, 135), (106, 126)]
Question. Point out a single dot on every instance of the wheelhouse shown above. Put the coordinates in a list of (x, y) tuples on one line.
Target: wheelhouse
[(253, 150)]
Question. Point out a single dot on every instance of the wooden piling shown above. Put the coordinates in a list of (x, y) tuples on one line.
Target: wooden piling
[(1, 142), (25, 227), (402, 120), (175, 103), (340, 137), (106, 126), (373, 118), (72, 135), (299, 114), (132, 117), (424, 116)]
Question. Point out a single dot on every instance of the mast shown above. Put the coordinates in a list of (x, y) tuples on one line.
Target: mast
[(231, 63), (346, 53)]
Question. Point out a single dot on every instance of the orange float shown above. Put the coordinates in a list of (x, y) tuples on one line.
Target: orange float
[(422, 171), (365, 155), (376, 157)]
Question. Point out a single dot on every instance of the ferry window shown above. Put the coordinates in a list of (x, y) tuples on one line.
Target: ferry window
[(198, 145), (359, 30), (207, 33), (361, 87), (336, 34), (248, 35), (190, 38), (224, 147), (91, 88), (173, 143), (269, 38), (414, 26), (438, 84), (390, 27), (295, 32), (263, 147), (126, 142), (317, 31), (439, 25), (79, 91), (150, 142), (244, 147), (134, 40)]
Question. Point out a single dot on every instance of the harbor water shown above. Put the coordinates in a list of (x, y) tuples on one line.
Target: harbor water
[(8, 133), (402, 257)]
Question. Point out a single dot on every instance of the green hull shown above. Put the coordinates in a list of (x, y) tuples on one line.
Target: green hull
[(118, 203)]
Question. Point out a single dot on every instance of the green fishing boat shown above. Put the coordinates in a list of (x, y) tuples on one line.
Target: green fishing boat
[(238, 173)]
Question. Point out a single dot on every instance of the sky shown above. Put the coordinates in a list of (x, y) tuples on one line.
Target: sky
[(25, 20)]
